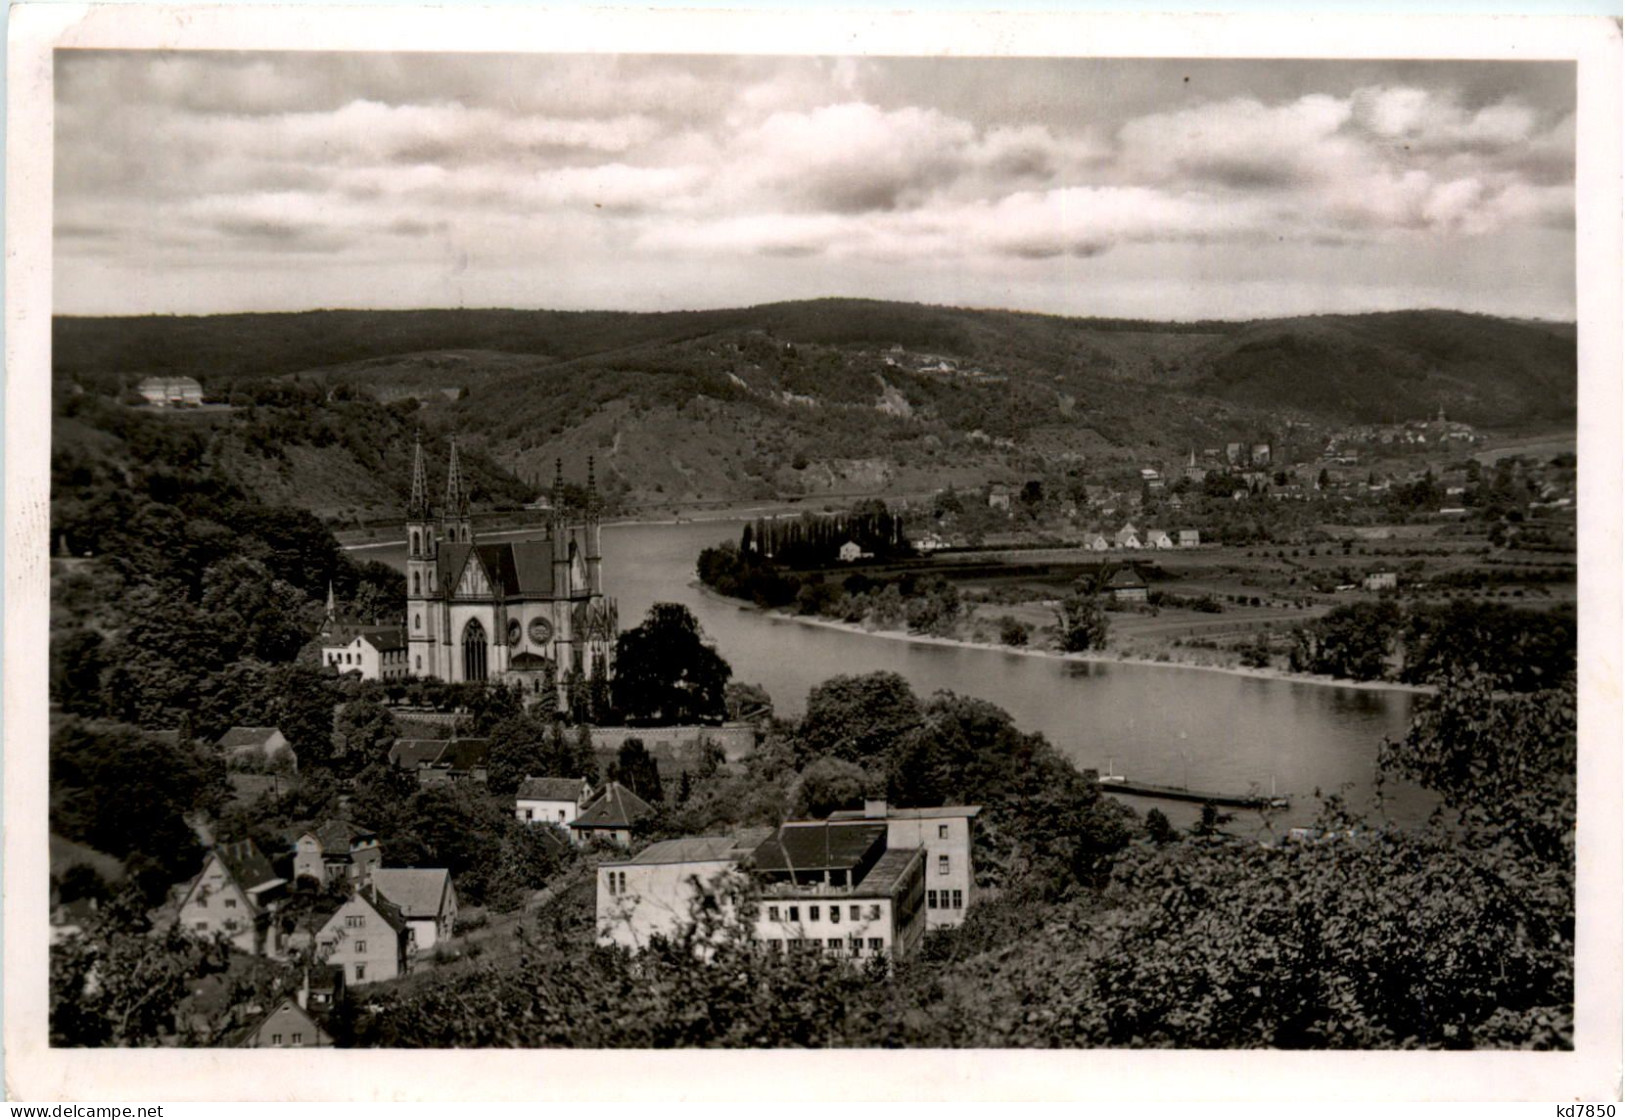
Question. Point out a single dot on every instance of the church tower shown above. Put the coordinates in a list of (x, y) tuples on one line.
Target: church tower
[(420, 573), (456, 523), (595, 558)]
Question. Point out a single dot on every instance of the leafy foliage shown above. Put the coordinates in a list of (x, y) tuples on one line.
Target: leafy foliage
[(666, 673)]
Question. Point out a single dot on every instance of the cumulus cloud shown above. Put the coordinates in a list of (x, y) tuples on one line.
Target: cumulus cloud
[(789, 163)]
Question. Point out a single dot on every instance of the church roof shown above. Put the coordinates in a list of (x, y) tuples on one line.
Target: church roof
[(515, 569)]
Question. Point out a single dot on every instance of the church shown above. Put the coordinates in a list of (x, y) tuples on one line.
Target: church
[(528, 612)]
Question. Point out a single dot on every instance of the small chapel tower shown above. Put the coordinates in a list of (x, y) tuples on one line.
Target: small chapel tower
[(457, 523), (420, 571)]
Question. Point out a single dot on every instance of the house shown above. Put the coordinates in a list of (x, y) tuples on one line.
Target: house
[(862, 884), (1126, 586), (1381, 581), (944, 832), (438, 761), (236, 896), (368, 938), (377, 653), (296, 1020), (1156, 538), (850, 552), (611, 816), (652, 893), (336, 851), (551, 800), (838, 888), (258, 744), (1189, 538), (998, 496), (424, 896), (1127, 537), (1094, 542), (171, 392), (1261, 455)]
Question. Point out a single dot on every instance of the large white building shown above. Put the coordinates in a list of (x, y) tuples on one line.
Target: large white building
[(865, 883), (531, 612)]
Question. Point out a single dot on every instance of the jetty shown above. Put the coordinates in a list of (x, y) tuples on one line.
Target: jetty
[(1116, 783)]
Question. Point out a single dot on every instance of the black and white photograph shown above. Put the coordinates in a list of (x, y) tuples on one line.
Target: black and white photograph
[(806, 544)]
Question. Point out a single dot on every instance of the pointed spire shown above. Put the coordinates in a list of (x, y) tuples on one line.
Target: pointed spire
[(418, 508), (456, 493), (558, 485), (592, 488)]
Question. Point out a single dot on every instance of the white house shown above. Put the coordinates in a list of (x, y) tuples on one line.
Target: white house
[(944, 832), (850, 552), (1381, 581), (1189, 538), (1128, 536), (236, 895), (171, 392), (368, 938), (336, 851), (258, 744), (425, 897), (378, 653), (653, 892), (1156, 538), (1094, 542), (551, 800)]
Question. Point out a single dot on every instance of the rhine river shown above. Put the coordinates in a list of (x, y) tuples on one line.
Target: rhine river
[(1162, 724)]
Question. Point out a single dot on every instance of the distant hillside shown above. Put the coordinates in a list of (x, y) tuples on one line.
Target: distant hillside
[(823, 397)]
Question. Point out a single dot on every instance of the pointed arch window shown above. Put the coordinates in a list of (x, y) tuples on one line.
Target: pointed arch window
[(474, 651), (417, 584), (417, 546)]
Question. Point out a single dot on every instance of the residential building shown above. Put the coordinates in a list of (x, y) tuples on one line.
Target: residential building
[(529, 612), (171, 392), (265, 745), (865, 883), (1381, 581), (296, 1020), (555, 801), (851, 552), (652, 894), (368, 938), (998, 496), (1189, 538), (236, 896), (836, 887), (944, 832), (1126, 586), (425, 897), (1127, 537), (1094, 542), (1157, 538), (377, 653), (438, 761), (337, 851), (611, 816)]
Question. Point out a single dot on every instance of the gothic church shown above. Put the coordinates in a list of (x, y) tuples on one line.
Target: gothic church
[(529, 612)]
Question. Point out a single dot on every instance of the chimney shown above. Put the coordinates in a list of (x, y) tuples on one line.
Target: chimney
[(874, 808)]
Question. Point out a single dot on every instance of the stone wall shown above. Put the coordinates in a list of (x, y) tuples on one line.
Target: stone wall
[(680, 743)]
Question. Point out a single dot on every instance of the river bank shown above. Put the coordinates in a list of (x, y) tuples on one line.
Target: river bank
[(1106, 657)]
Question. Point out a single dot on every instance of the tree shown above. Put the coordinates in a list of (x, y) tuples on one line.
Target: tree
[(635, 769), (1013, 631), (367, 730), (302, 708), (119, 984), (828, 784), (747, 703), (519, 749), (665, 671), (857, 718), (1081, 624)]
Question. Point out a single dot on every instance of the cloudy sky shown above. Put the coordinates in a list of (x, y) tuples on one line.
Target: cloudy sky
[(233, 181)]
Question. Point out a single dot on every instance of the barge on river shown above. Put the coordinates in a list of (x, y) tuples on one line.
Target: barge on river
[(1116, 783)]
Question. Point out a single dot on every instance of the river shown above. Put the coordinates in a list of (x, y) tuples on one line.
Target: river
[(1163, 724)]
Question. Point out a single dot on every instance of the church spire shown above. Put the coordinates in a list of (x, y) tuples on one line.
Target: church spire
[(418, 508), (592, 489), (456, 521), (456, 492), (558, 486)]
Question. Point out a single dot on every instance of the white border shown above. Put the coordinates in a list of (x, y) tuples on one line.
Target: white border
[(34, 1072)]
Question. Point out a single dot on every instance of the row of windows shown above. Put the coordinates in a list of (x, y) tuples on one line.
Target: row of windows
[(203, 900), (530, 815), (297, 1039), (355, 921), (853, 945), (815, 913), (945, 900), (614, 886)]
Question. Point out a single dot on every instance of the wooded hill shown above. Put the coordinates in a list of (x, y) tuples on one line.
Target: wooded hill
[(835, 397)]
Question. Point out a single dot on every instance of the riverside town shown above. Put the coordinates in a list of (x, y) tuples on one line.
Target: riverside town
[(814, 581)]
